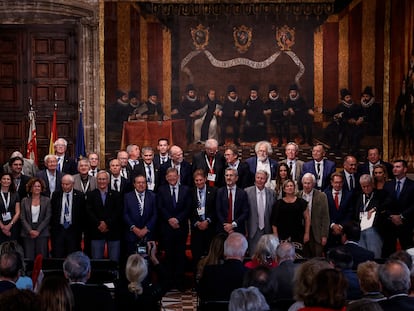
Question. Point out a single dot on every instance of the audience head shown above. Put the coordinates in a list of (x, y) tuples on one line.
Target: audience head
[(231, 154), (133, 151), (163, 146), (77, 267), (60, 146), (16, 165), (260, 179), (337, 181), (115, 167), (340, 257), (200, 178), (102, 180), (55, 294), (350, 164), (328, 290), (10, 265), (93, 159), (216, 250), (235, 246), (364, 304), (351, 231), (231, 176), (285, 251), (373, 155), (259, 277), (136, 271), (13, 246), (247, 299), (20, 300), (265, 252), (122, 157), (84, 166), (67, 183), (147, 154), (140, 183), (367, 273), (305, 276), (172, 176), (394, 277), (404, 256)]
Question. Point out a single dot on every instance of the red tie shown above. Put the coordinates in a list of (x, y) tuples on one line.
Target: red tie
[(211, 182), (336, 200), (230, 213)]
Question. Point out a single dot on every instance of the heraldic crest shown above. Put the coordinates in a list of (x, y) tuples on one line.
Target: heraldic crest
[(200, 36), (242, 38), (285, 37)]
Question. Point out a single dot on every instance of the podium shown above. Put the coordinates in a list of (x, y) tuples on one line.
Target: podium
[(147, 133)]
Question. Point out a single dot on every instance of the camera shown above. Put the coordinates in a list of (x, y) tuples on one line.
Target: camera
[(142, 248)]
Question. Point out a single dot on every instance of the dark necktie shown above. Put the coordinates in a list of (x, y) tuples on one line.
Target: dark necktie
[(66, 222), (174, 198), (149, 178), (93, 173), (398, 190), (351, 182), (230, 212), (116, 185)]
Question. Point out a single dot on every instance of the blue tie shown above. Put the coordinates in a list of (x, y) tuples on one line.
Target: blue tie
[(66, 222), (398, 190)]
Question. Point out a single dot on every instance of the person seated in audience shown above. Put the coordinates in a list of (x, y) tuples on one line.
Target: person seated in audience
[(137, 292), (363, 304), (77, 269), (20, 300), (55, 294), (265, 252), (367, 273), (304, 278), (247, 299), (23, 282), (342, 260), (328, 291), (215, 255), (10, 265), (394, 277), (218, 281), (259, 277), (404, 256)]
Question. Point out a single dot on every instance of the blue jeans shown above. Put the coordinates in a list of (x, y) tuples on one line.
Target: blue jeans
[(98, 248), (371, 240)]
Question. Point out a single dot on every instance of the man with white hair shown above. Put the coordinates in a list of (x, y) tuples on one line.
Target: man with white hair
[(262, 161), (177, 161), (65, 165), (319, 213), (218, 281), (212, 162), (50, 175), (295, 165)]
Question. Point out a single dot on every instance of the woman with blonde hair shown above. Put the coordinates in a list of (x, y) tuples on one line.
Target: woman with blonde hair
[(380, 176)]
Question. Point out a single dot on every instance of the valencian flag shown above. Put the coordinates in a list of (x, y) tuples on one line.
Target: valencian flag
[(32, 141), (80, 137), (53, 132)]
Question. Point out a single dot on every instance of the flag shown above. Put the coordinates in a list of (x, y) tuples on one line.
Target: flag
[(32, 141), (80, 140), (53, 133)]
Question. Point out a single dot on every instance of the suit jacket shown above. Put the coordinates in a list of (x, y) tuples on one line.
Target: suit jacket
[(166, 210), (218, 281), (404, 204), (241, 209), (42, 224), (357, 185), (252, 162), (78, 211), (133, 217), (281, 280), (21, 190), (141, 169), (364, 168), (110, 213), (359, 254), (43, 175), (319, 215), (398, 303), (69, 166), (210, 207), (92, 297), (377, 201), (29, 169), (298, 171), (186, 173), (246, 178), (124, 187), (328, 169), (79, 186), (253, 220), (344, 212), (157, 159), (6, 285), (200, 162)]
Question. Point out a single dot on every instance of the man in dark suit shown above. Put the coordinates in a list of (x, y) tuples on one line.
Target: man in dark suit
[(185, 175), (174, 208), (66, 223), (398, 209), (19, 180), (162, 156), (320, 167), (50, 175), (245, 178), (319, 211), (212, 162), (374, 158), (218, 281), (295, 165), (104, 211), (351, 178), (340, 209), (117, 181), (281, 277), (77, 269), (262, 161), (394, 277), (125, 167), (261, 200), (10, 266), (351, 233), (65, 164), (149, 169), (203, 215), (140, 214), (232, 205)]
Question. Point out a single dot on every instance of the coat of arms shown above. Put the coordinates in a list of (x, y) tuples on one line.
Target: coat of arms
[(285, 37), (242, 38), (200, 36)]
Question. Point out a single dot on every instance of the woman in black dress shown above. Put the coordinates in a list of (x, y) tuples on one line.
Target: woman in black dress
[(9, 209)]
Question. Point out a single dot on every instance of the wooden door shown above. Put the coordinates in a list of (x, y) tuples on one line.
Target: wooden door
[(41, 63)]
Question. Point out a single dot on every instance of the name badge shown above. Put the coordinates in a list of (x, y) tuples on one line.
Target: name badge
[(201, 210), (211, 177), (6, 216)]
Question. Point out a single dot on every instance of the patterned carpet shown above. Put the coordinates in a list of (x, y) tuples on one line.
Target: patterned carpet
[(175, 300)]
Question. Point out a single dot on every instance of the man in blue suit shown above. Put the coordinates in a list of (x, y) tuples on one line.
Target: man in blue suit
[(232, 205), (262, 161), (174, 208), (320, 167)]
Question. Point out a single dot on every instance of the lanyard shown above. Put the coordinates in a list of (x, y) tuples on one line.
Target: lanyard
[(210, 166), (140, 197), (85, 188), (6, 202)]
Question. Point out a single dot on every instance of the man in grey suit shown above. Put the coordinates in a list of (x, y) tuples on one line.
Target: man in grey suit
[(295, 165), (261, 200), (319, 212)]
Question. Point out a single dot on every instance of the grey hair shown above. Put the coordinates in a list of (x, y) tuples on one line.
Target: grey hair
[(263, 172), (235, 245), (291, 143), (233, 170), (84, 160), (77, 267), (311, 176), (69, 177), (394, 277), (129, 147), (285, 251), (48, 156), (366, 178), (266, 247), (147, 148), (247, 299), (100, 172), (266, 143), (211, 143), (60, 140)]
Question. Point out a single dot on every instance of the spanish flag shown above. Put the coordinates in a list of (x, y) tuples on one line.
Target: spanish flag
[(53, 133)]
